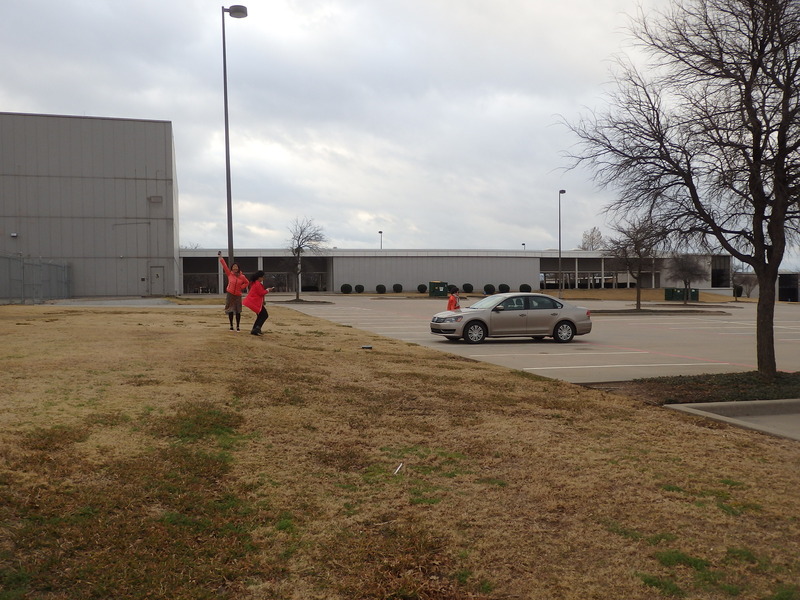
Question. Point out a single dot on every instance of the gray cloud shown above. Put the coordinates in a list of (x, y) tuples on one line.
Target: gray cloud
[(434, 121)]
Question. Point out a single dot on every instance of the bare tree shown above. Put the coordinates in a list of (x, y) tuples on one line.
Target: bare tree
[(686, 268), (746, 281), (707, 142), (635, 248), (305, 236), (592, 240)]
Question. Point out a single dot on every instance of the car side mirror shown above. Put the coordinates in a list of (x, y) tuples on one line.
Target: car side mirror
[(499, 308)]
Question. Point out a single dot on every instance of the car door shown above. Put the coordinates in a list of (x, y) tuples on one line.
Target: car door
[(511, 319), (543, 315)]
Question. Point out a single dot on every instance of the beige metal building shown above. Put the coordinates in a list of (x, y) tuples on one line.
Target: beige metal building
[(97, 194), (539, 269)]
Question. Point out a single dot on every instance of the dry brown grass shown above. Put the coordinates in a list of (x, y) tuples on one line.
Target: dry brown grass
[(153, 453)]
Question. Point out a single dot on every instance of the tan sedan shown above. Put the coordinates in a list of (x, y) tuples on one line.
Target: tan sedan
[(514, 315)]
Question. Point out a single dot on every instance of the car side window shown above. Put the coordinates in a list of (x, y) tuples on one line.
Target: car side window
[(514, 304), (544, 303)]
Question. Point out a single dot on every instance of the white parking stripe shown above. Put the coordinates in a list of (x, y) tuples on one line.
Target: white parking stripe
[(624, 366), (558, 354)]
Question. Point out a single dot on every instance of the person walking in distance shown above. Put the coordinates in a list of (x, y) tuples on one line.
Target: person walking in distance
[(237, 284), (453, 301), (255, 301)]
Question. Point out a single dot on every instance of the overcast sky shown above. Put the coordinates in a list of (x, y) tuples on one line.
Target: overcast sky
[(434, 121)]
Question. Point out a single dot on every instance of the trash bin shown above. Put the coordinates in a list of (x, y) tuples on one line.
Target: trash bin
[(680, 294), (437, 289)]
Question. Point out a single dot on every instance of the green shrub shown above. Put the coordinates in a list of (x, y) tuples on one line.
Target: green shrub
[(504, 288), (397, 288), (380, 288), (346, 288), (422, 288), (488, 289), (359, 289), (525, 288), (467, 287)]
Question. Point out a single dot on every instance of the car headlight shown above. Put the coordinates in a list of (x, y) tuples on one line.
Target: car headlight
[(456, 319)]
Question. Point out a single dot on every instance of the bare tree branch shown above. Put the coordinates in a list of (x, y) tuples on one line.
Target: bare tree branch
[(706, 143), (305, 236)]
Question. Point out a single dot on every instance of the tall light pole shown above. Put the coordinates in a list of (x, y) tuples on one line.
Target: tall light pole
[(560, 279), (237, 11), (523, 245), (381, 233)]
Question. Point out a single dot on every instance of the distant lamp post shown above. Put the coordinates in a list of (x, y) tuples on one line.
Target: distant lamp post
[(237, 11), (381, 234), (560, 278), (523, 245)]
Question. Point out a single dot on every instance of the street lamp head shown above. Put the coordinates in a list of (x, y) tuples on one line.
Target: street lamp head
[(237, 11), (562, 192), (380, 232)]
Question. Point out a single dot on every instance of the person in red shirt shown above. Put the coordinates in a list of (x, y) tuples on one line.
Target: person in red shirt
[(255, 301), (237, 284), (453, 301)]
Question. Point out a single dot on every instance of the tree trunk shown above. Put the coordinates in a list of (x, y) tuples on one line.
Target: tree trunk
[(765, 319), (686, 293)]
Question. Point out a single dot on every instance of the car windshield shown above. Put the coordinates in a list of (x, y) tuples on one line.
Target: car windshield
[(487, 302)]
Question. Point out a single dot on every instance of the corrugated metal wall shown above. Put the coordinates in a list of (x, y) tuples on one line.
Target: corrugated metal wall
[(99, 194), (458, 268)]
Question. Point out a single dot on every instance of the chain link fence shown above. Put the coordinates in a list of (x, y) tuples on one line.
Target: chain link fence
[(32, 280)]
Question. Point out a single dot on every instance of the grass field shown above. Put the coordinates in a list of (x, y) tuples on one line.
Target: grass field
[(151, 453)]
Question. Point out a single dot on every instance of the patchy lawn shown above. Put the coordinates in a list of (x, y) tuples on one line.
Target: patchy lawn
[(151, 453)]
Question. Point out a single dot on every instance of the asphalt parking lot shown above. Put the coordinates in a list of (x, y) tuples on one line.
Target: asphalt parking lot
[(620, 347)]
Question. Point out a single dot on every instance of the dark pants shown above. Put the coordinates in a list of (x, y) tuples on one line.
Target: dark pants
[(260, 318)]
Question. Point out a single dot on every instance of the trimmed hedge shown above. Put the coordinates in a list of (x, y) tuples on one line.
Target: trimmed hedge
[(467, 287), (380, 288), (504, 288), (489, 289), (397, 288), (359, 289), (346, 288), (422, 288), (524, 288)]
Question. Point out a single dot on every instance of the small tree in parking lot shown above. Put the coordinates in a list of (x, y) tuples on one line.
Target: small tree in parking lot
[(686, 268), (635, 248), (305, 235)]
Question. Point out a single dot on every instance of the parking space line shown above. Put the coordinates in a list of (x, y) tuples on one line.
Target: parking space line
[(558, 354), (624, 366)]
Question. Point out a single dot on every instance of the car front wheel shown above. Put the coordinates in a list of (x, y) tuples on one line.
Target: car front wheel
[(475, 333), (564, 332)]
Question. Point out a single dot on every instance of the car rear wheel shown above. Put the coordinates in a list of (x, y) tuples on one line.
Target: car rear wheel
[(475, 333), (564, 332)]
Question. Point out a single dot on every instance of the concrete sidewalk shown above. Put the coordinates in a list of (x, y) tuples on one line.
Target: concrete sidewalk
[(775, 417)]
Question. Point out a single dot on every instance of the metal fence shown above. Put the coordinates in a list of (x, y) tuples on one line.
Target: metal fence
[(32, 280)]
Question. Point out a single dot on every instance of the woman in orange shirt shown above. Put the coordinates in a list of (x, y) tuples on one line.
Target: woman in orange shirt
[(255, 301), (453, 301), (237, 284)]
